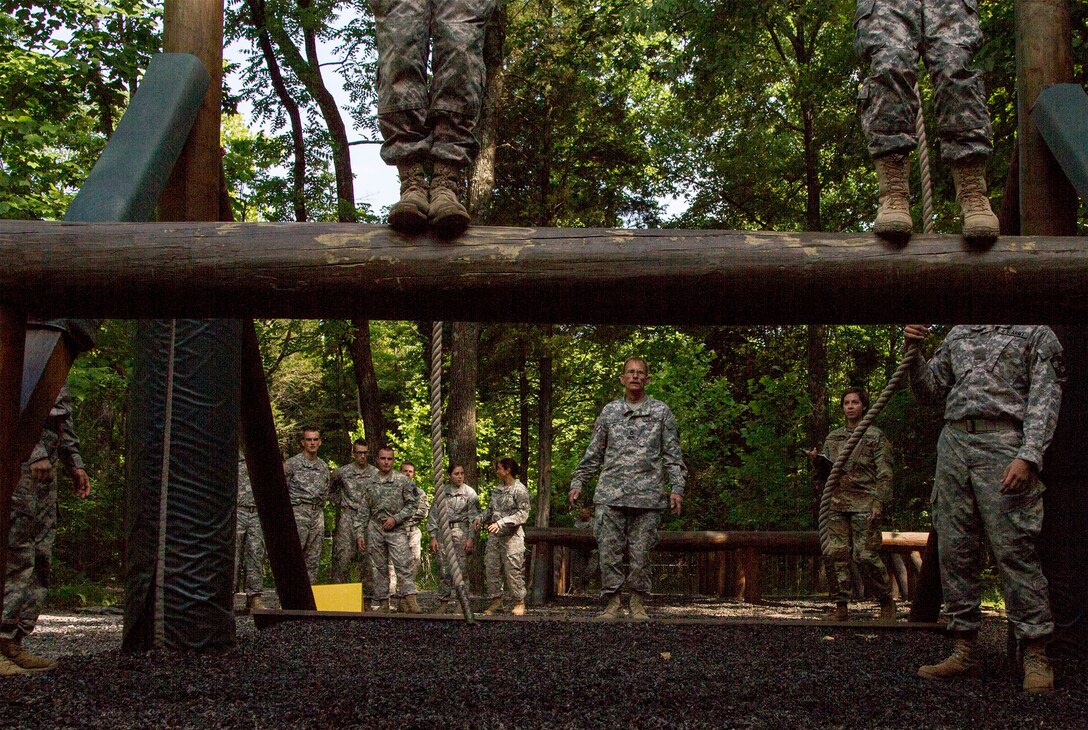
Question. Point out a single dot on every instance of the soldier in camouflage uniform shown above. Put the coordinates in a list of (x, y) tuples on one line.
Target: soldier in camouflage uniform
[(857, 506), (308, 484), (348, 485), (636, 447), (430, 124), (248, 540), (1001, 386), (507, 510), (462, 509), (30, 539), (890, 35), (388, 503)]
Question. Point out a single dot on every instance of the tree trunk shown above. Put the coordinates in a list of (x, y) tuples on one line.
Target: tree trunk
[(543, 554), (366, 383), (818, 424), (483, 173), (461, 423), (523, 407)]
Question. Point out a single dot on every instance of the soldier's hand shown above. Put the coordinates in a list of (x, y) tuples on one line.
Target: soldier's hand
[(475, 525), (573, 495), (434, 545), (916, 332), (1019, 476), (469, 546), (41, 470), (361, 543), (493, 528), (676, 502), (389, 524), (812, 453), (876, 516), (82, 482)]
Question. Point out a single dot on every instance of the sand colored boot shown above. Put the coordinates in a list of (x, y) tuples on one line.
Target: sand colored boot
[(887, 611), (841, 612), (380, 607), (9, 668), (893, 221), (980, 225), (494, 607), (409, 214), (23, 659), (409, 604), (1038, 676), (518, 609), (611, 611), (961, 661), (446, 213), (638, 607), (254, 604)]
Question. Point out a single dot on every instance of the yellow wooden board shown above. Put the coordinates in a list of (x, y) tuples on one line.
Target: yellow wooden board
[(339, 597)]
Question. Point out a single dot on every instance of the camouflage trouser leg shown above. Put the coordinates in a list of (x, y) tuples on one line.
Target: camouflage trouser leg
[(852, 539), (968, 505), (505, 559), (889, 36), (415, 543), (310, 520), (30, 549), (458, 84), (249, 552), (631, 528), (345, 546), (378, 555), (445, 580), (402, 37)]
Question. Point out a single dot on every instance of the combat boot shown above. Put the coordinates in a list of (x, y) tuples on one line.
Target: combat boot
[(961, 661), (980, 225), (841, 612), (518, 609), (638, 607), (612, 611), (14, 652), (9, 668), (494, 607), (409, 214), (887, 611), (380, 607), (254, 604), (446, 213), (893, 221), (409, 604), (1038, 676)]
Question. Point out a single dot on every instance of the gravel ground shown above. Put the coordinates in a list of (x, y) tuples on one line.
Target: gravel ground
[(396, 673)]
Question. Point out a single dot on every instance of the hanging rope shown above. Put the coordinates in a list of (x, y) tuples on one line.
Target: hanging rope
[(445, 540), (923, 168)]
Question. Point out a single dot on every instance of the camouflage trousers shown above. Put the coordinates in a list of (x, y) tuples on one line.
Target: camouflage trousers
[(415, 545), (435, 120), (968, 507), (505, 559), (890, 36), (249, 551), (345, 549), (458, 535), (310, 521), (30, 550), (633, 529), (387, 549), (853, 538)]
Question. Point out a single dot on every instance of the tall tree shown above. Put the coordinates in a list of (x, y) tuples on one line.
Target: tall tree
[(461, 412)]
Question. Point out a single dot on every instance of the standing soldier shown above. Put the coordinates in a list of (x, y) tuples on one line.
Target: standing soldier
[(507, 511), (462, 509), (1001, 390), (857, 507), (348, 485), (248, 541), (389, 501), (33, 529), (308, 484), (889, 36), (430, 124), (636, 447)]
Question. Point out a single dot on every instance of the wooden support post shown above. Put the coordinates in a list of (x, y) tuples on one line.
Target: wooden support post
[(12, 339), (265, 465), (749, 578), (721, 566)]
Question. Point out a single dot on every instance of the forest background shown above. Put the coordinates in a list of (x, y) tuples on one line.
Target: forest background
[(596, 114)]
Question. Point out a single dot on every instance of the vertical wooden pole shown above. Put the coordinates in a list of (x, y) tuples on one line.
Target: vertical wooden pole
[(12, 342)]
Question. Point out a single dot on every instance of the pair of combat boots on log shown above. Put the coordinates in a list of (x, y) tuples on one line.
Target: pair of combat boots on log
[(893, 221), (436, 202)]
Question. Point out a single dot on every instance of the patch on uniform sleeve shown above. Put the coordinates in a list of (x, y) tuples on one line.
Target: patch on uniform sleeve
[(1057, 362)]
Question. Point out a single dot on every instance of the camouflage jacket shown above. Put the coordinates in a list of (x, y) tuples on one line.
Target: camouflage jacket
[(245, 487), (1011, 372), (349, 483), (392, 495), (508, 507), (638, 445), (462, 505), (307, 481), (58, 441), (866, 480), (422, 507)]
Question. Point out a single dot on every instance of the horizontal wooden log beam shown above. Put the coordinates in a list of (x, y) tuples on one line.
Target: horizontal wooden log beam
[(533, 275), (781, 542)]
